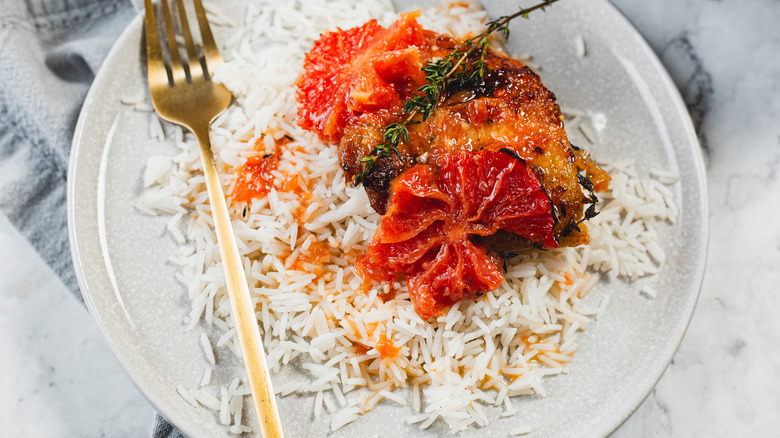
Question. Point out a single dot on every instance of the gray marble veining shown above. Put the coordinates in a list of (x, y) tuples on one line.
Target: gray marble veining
[(724, 57), (58, 378)]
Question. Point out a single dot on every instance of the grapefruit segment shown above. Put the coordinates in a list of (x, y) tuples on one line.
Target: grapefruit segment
[(434, 212)]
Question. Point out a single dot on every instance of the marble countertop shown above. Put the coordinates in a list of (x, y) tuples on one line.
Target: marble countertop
[(58, 378)]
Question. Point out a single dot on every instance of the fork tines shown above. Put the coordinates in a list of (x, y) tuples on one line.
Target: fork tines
[(165, 59)]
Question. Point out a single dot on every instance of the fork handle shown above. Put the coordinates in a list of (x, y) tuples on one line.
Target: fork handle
[(240, 300)]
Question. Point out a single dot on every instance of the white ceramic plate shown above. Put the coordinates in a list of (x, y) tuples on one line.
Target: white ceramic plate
[(120, 255)]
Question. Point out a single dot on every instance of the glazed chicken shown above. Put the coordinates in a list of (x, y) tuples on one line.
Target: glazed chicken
[(511, 110), (491, 172)]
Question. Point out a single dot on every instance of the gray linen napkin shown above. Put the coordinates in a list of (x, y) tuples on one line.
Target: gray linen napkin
[(50, 51)]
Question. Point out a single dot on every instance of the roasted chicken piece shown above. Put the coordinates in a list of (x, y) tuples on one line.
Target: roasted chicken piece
[(489, 173), (510, 109)]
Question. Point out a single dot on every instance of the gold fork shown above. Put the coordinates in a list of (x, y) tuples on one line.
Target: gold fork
[(191, 99)]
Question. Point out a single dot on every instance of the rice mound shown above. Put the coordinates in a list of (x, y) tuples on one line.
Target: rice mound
[(299, 247)]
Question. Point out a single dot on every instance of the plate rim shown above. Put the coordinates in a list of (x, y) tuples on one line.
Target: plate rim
[(682, 111), (181, 423), (135, 375)]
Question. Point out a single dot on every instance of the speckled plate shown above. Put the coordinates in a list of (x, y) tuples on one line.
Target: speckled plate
[(120, 255)]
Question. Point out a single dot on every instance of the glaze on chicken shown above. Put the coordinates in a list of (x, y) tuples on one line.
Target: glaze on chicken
[(355, 85)]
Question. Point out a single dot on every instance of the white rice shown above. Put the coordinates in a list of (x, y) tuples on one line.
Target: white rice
[(648, 291), (521, 430), (143, 107), (206, 380), (207, 399), (665, 176), (187, 396), (132, 99), (481, 352), (579, 46), (207, 349)]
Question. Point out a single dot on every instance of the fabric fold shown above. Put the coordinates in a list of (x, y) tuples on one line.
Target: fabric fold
[(50, 53)]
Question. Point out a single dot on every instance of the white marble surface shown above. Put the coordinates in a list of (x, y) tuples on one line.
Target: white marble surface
[(725, 58), (58, 378)]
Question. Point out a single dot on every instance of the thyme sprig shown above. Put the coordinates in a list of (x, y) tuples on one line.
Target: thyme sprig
[(591, 212), (453, 69)]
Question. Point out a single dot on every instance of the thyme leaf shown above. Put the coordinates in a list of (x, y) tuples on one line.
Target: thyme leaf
[(455, 69), (585, 182)]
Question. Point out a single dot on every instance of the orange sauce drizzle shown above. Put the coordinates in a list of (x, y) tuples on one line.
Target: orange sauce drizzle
[(255, 177), (316, 254), (386, 348), (360, 349), (389, 295)]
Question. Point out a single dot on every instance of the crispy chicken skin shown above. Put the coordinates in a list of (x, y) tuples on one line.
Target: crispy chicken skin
[(509, 109), (488, 172)]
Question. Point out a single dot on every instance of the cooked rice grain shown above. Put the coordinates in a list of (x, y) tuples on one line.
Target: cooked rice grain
[(480, 353)]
